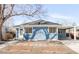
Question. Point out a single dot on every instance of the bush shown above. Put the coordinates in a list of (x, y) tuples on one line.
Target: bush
[(8, 36), (72, 35)]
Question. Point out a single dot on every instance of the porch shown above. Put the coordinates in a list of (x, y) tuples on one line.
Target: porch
[(41, 32), (37, 32)]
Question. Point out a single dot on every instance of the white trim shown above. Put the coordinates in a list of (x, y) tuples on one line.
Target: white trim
[(16, 34), (42, 26), (48, 29), (57, 32), (19, 33), (74, 33), (59, 26), (23, 30), (32, 30)]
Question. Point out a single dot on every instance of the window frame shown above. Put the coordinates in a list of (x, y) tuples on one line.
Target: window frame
[(52, 29), (27, 29)]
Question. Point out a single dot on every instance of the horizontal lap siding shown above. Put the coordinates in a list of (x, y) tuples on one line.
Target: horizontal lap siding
[(53, 36), (41, 33)]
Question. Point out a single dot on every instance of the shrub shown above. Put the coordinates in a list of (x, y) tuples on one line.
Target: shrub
[(8, 36)]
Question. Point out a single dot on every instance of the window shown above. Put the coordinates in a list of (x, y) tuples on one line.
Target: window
[(52, 30), (28, 30)]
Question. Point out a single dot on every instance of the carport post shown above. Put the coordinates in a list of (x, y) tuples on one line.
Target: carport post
[(74, 32), (57, 32)]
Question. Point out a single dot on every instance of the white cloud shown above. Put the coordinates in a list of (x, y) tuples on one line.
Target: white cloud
[(59, 16), (62, 19)]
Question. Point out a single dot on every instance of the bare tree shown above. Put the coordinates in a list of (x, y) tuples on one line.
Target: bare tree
[(10, 10), (7, 25)]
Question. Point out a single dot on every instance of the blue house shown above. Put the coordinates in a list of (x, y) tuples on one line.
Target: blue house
[(40, 30)]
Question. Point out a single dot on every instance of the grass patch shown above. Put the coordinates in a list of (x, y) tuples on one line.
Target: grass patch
[(56, 42)]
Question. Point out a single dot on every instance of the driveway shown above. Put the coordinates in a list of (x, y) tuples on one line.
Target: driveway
[(72, 44)]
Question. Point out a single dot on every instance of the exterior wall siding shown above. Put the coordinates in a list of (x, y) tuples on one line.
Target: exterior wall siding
[(40, 33), (53, 36), (61, 36)]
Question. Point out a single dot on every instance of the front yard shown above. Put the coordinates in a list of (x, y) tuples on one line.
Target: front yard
[(53, 47)]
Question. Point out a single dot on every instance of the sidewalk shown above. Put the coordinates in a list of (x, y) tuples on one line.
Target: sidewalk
[(4, 44), (72, 44)]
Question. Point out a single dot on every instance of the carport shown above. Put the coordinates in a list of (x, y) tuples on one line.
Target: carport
[(67, 31)]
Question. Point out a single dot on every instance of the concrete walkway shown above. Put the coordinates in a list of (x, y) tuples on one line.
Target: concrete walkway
[(72, 44), (4, 44)]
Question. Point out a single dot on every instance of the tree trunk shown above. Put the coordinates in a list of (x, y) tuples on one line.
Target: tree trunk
[(1, 21), (1, 24), (1, 33)]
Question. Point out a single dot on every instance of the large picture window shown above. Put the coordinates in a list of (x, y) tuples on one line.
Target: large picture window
[(52, 30), (28, 30)]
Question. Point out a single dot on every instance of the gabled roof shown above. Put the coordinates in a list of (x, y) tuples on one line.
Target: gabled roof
[(40, 22)]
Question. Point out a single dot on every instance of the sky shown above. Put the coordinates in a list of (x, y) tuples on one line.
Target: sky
[(66, 14)]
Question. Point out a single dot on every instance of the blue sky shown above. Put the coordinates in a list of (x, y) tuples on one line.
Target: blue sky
[(59, 13)]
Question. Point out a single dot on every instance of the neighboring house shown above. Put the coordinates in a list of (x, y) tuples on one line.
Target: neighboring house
[(41, 30), (71, 32), (77, 34)]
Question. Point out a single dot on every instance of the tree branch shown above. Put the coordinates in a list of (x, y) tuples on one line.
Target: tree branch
[(31, 12)]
